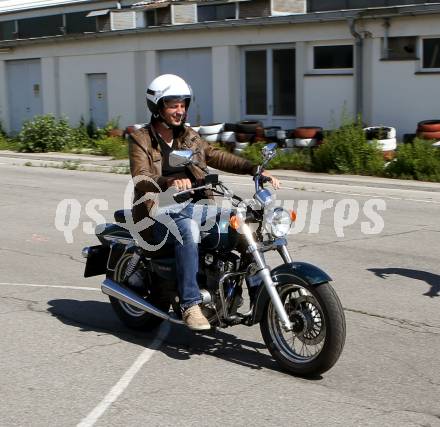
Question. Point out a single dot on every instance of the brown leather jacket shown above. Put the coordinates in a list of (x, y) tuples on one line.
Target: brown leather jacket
[(146, 161)]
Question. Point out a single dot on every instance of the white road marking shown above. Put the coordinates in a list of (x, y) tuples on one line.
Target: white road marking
[(125, 380), (79, 288)]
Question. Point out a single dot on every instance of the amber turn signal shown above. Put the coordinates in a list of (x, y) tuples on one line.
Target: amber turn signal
[(234, 222), (293, 215)]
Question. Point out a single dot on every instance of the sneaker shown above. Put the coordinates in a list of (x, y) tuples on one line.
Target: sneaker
[(195, 320)]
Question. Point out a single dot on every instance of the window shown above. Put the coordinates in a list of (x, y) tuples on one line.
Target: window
[(283, 82), (324, 5), (7, 30), (216, 12), (40, 27), (332, 57), (431, 53), (151, 18), (270, 82), (400, 48), (79, 23), (256, 76)]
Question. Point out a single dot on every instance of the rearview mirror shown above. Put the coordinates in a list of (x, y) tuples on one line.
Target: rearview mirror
[(180, 158), (269, 151)]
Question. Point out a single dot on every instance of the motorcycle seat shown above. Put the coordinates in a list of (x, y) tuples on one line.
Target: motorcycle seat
[(166, 251)]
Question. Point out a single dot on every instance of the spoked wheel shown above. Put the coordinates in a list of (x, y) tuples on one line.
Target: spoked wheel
[(318, 336), (131, 316)]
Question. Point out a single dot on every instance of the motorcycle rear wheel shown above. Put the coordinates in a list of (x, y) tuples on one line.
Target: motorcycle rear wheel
[(132, 316), (318, 336)]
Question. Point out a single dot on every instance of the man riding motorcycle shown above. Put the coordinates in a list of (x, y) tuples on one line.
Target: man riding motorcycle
[(168, 99)]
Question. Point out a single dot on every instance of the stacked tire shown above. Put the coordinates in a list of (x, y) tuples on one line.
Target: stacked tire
[(429, 130), (385, 137), (270, 133), (211, 133), (307, 136), (249, 131), (246, 133)]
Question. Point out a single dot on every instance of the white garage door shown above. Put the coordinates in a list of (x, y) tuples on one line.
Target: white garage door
[(24, 91), (195, 66)]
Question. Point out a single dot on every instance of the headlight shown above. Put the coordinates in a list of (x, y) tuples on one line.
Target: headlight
[(278, 222)]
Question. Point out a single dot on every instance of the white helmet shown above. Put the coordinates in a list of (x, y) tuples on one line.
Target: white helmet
[(167, 86)]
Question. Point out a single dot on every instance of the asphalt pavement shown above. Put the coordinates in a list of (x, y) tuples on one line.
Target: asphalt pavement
[(66, 360)]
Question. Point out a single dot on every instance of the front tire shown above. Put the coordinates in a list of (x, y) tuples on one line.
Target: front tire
[(318, 336), (131, 316)]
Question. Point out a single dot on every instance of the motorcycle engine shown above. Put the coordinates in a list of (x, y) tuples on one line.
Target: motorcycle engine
[(216, 265), (212, 267)]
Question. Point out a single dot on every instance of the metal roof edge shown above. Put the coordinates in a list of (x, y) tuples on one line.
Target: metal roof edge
[(313, 17), (61, 3)]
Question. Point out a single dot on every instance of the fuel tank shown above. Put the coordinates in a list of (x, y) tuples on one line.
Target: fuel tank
[(220, 236)]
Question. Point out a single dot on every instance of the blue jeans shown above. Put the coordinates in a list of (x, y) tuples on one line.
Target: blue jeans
[(186, 251)]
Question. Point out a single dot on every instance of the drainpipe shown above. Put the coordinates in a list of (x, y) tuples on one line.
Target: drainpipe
[(359, 44)]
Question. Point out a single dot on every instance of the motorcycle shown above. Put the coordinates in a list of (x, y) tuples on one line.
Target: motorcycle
[(301, 318)]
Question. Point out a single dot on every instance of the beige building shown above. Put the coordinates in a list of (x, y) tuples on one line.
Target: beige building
[(286, 63)]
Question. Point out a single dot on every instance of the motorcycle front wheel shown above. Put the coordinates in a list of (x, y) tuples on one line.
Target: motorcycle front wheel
[(318, 336), (129, 315)]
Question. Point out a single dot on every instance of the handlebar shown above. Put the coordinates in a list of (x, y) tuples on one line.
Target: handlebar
[(261, 179), (209, 181), (191, 190)]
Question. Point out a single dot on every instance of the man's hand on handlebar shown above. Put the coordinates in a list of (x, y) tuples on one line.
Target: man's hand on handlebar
[(181, 184), (276, 184)]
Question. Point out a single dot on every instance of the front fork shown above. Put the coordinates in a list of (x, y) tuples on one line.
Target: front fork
[(265, 275), (284, 253)]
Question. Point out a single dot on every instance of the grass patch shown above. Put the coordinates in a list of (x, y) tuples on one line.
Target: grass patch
[(70, 165)]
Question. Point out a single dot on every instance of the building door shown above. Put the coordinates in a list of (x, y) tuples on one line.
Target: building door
[(24, 91), (194, 66), (98, 99), (268, 89)]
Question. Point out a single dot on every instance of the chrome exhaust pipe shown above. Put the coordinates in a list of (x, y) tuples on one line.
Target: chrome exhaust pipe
[(113, 289)]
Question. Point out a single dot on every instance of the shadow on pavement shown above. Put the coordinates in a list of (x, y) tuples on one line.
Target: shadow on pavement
[(431, 279), (180, 343)]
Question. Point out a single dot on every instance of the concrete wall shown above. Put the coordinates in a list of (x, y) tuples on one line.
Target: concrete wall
[(121, 78), (400, 96), (326, 98)]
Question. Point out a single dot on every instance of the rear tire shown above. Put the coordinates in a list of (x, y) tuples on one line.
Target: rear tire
[(130, 316), (319, 328)]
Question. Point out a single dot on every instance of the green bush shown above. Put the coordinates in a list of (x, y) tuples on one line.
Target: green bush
[(346, 150), (9, 144), (96, 132), (3, 143), (419, 160), (299, 159), (112, 146), (45, 133), (2, 131), (80, 140), (253, 153)]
